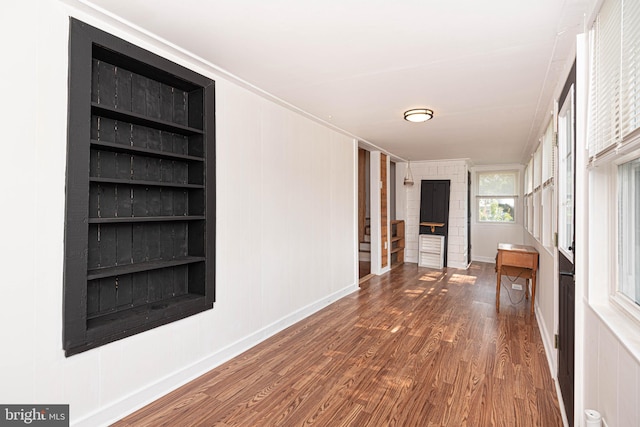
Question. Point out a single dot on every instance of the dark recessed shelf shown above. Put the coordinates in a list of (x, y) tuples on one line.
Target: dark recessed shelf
[(131, 117), (117, 325), (128, 219), (140, 186), (96, 321), (119, 270), (112, 146), (144, 183)]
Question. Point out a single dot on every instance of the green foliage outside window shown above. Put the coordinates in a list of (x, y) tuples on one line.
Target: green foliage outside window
[(496, 191), (496, 210)]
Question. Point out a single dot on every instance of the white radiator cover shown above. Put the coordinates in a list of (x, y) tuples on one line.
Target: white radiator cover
[(431, 251)]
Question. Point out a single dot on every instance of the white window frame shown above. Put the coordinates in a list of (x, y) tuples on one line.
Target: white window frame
[(630, 153), (515, 197), (565, 179), (613, 111), (528, 196), (549, 211)]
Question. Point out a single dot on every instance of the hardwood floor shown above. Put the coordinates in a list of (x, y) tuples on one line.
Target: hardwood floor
[(415, 347), (364, 271)]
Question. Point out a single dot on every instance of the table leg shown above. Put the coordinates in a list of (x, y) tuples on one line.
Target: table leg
[(533, 290), (498, 276)]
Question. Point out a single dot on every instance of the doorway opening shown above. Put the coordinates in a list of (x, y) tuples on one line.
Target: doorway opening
[(364, 215), (434, 219)]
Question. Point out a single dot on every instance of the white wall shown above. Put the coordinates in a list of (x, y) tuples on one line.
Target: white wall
[(286, 243), (546, 299), (408, 206), (611, 373), (609, 367)]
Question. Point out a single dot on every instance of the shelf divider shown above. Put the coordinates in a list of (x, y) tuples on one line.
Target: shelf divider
[(119, 270), (131, 117), (145, 183), (112, 146), (127, 219)]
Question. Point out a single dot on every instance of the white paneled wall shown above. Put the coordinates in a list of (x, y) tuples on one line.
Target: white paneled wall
[(612, 374), (408, 206), (286, 232)]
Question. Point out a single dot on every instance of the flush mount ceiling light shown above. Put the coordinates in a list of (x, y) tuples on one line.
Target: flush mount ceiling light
[(418, 115)]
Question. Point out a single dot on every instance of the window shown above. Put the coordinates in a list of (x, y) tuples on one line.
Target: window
[(566, 174), (497, 193), (629, 230), (528, 189), (614, 150), (537, 188), (548, 194)]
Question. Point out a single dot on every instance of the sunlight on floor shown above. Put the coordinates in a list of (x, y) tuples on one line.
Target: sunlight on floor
[(433, 276), (462, 279), (414, 292)]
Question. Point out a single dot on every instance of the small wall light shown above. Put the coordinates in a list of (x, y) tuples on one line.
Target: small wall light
[(418, 115)]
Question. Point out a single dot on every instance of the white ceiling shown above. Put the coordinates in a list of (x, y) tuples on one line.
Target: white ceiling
[(487, 68)]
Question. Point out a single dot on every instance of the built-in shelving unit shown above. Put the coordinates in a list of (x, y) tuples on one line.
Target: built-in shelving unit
[(397, 243), (140, 230)]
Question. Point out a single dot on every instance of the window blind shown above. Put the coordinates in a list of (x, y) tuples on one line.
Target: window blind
[(537, 168), (630, 108), (547, 154), (615, 75), (497, 184)]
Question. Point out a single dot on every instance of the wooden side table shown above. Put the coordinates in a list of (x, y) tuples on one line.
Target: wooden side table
[(517, 260)]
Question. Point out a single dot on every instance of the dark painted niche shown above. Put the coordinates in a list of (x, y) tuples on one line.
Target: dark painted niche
[(434, 207), (140, 194)]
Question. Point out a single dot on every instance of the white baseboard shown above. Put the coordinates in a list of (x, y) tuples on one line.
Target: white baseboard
[(490, 260), (134, 401), (549, 349), (461, 265)]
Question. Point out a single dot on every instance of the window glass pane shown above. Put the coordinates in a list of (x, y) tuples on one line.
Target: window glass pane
[(547, 154), (537, 214), (529, 187), (530, 213), (537, 168), (496, 210), (629, 230), (497, 184), (566, 177), (630, 112)]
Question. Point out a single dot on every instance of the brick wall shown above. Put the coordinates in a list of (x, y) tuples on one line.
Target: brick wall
[(409, 206)]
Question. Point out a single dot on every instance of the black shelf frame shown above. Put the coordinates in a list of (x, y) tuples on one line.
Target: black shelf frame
[(140, 182), (142, 264), (148, 152), (132, 219), (120, 270), (135, 118)]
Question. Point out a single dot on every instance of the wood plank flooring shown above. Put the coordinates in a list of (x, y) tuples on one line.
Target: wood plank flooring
[(415, 347)]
